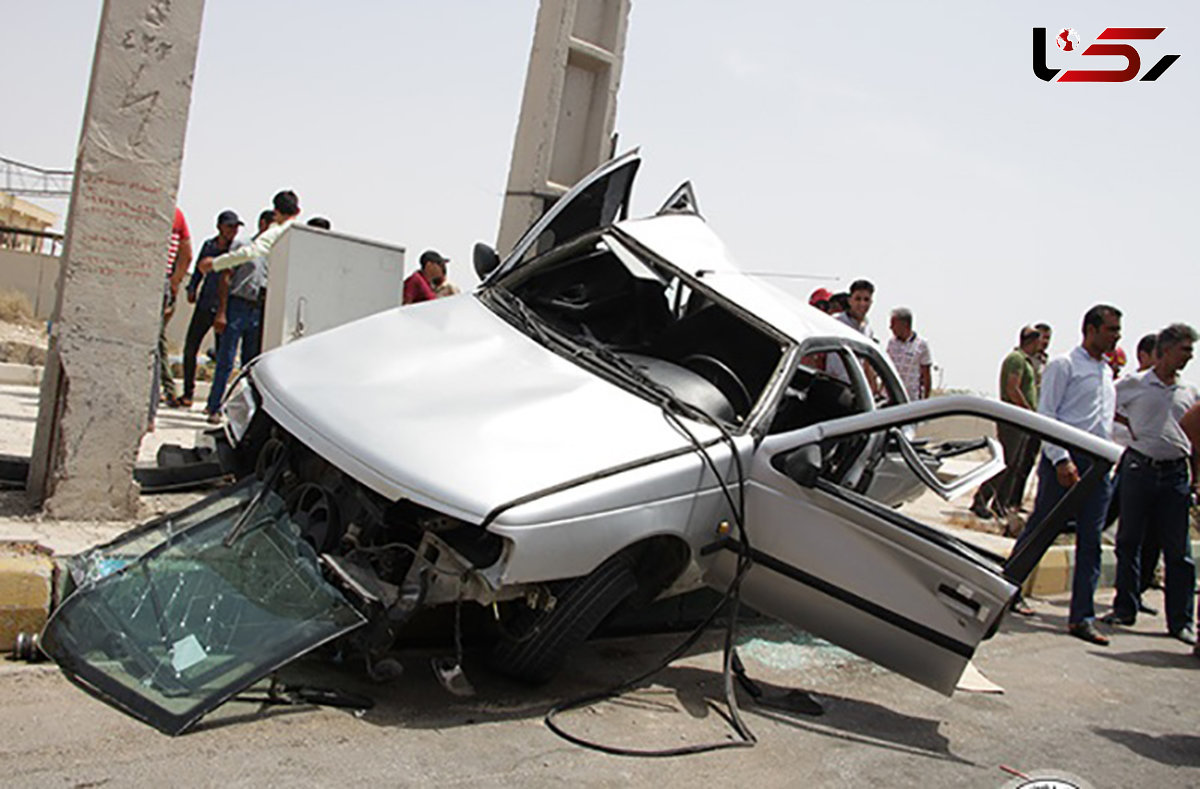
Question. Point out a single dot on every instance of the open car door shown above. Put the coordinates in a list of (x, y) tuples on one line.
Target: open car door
[(174, 617), (834, 555)]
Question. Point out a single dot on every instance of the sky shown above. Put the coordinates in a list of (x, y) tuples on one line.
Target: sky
[(906, 143)]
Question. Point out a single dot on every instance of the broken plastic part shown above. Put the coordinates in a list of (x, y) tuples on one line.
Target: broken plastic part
[(450, 675)]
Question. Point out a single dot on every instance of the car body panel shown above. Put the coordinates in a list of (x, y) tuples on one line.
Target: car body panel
[(866, 576), (569, 532), (447, 404)]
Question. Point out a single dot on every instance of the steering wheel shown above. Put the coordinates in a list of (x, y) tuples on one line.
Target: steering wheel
[(723, 377)]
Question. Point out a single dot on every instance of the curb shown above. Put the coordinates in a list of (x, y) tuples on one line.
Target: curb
[(1053, 573), (30, 375), (27, 585), (20, 374), (26, 592)]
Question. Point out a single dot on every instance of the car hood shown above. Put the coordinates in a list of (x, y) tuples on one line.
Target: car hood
[(449, 405)]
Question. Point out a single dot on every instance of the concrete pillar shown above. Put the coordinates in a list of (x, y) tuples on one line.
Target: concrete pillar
[(96, 388), (569, 107)]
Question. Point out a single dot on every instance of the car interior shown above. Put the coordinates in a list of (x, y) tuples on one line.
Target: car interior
[(707, 355)]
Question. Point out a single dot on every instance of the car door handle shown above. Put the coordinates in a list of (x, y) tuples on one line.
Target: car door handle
[(960, 597)]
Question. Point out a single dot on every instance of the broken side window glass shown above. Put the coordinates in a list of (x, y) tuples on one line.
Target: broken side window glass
[(172, 634)]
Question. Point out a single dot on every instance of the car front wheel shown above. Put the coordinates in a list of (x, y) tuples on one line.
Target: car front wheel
[(539, 642)]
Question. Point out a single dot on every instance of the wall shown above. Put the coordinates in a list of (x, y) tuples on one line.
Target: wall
[(37, 277)]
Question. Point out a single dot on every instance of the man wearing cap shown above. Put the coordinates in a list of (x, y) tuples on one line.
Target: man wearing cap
[(1155, 484), (287, 210), (1117, 360), (422, 284), (202, 292), (241, 319), (820, 299)]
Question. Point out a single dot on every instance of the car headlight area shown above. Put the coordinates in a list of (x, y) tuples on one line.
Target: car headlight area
[(239, 408)]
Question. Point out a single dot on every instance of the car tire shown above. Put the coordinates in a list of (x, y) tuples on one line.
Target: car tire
[(539, 642)]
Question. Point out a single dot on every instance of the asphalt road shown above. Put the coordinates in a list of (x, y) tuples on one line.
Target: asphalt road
[(1126, 715)]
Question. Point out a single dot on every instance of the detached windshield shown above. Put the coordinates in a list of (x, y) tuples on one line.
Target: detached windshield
[(600, 303), (170, 622)]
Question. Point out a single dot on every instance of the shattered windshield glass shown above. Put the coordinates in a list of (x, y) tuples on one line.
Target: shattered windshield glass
[(169, 622)]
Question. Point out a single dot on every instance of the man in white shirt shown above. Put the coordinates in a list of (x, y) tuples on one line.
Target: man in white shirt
[(862, 294), (1077, 389), (911, 355), (1155, 485), (287, 210), (244, 309)]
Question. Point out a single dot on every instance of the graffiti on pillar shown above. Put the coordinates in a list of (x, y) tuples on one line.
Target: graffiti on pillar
[(110, 213), (151, 47)]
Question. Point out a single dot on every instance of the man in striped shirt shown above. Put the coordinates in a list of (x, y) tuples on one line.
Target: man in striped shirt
[(179, 255), (911, 355)]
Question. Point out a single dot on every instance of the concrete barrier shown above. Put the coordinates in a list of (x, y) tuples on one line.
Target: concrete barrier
[(26, 583)]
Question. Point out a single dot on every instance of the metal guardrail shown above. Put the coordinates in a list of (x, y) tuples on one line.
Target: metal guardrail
[(27, 180), (26, 240)]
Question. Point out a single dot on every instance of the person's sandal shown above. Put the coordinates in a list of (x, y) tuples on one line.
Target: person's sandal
[(1020, 607)]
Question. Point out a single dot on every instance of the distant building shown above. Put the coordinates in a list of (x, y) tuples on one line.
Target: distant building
[(17, 215)]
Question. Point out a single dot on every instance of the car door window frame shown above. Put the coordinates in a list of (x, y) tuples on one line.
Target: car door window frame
[(1020, 564)]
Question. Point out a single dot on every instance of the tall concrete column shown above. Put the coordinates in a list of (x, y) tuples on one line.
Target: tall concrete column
[(99, 370), (569, 107)]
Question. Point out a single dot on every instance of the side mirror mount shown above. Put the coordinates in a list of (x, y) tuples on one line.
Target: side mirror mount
[(803, 466), (485, 259)]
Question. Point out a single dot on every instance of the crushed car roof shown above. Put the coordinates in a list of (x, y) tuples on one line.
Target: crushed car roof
[(686, 240)]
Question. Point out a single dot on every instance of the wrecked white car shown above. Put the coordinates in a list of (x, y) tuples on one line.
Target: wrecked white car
[(615, 415)]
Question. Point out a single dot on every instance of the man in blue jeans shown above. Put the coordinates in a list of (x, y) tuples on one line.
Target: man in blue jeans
[(202, 292), (246, 290), (1077, 389), (1155, 485)]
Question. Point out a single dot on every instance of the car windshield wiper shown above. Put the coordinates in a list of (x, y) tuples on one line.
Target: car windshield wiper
[(595, 353), (528, 320)]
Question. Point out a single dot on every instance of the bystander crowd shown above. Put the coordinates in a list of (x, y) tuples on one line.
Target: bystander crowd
[(242, 319)]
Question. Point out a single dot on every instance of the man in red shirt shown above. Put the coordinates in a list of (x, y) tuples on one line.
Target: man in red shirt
[(179, 257), (421, 285)]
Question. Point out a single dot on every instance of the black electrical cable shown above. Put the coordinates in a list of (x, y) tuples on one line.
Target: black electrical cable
[(619, 367), (731, 598)]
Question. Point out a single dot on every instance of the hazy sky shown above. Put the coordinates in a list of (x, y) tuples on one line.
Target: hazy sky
[(906, 142)]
